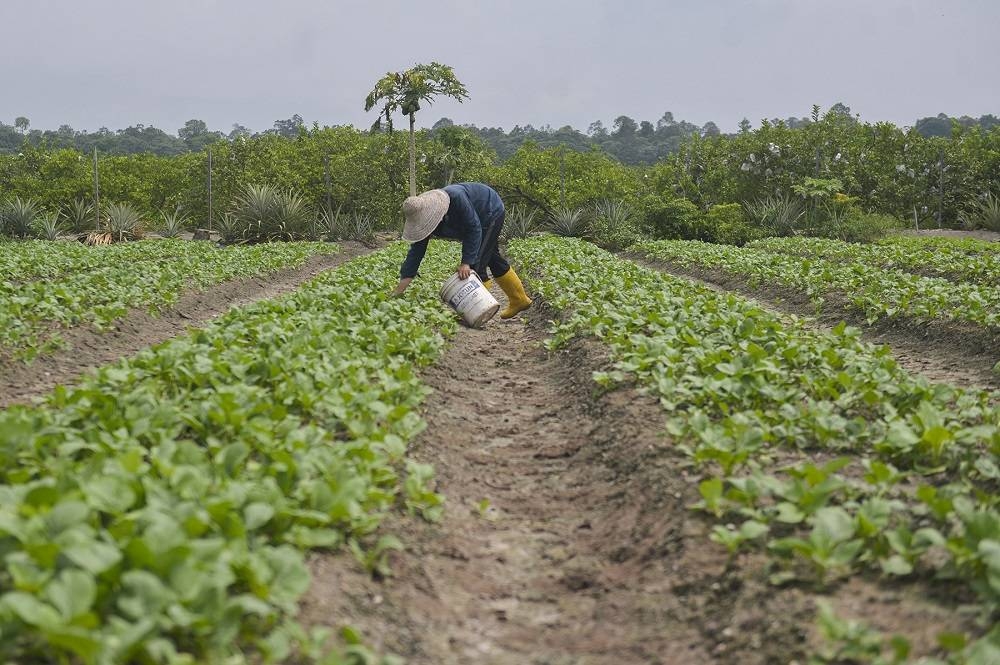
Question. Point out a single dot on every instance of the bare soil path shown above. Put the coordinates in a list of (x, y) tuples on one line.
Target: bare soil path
[(88, 348), (554, 570), (587, 552)]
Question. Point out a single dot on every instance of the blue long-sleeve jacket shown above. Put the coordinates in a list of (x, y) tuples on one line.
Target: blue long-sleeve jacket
[(471, 208)]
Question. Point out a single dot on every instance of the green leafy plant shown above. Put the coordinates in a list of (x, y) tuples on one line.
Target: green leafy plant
[(984, 214), (673, 218), (848, 641), (780, 215), (18, 217), (361, 228), (375, 559), (80, 215), (229, 228), (173, 223), (211, 563), (733, 538), (613, 225), (49, 226), (728, 224), (263, 213), (568, 222), (519, 222), (122, 222), (876, 292), (331, 224), (742, 387), (104, 287)]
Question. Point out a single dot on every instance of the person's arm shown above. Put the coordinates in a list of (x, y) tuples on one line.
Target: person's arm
[(410, 265)]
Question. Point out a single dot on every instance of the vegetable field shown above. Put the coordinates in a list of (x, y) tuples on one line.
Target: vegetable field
[(642, 468), (46, 287)]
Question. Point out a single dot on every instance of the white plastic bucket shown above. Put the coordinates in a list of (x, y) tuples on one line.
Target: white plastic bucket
[(470, 299)]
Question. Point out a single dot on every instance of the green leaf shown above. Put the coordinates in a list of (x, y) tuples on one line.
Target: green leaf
[(953, 642), (144, 594), (109, 494), (834, 523), (92, 555), (752, 529), (67, 515), (896, 565), (789, 513), (257, 515), (711, 490), (73, 593), (80, 641), (30, 610)]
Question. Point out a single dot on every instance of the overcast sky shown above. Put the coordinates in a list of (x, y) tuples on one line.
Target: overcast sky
[(115, 63)]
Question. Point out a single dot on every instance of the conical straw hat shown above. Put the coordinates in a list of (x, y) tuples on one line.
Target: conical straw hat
[(423, 213)]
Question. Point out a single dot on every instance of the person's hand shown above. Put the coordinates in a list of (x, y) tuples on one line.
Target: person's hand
[(464, 271), (400, 288)]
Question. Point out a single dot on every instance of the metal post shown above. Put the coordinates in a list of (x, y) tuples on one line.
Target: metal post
[(326, 178), (209, 191), (97, 195), (940, 212), (562, 174)]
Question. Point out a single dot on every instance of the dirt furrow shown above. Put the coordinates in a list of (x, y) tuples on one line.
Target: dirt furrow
[(568, 536), (87, 348), (520, 569)]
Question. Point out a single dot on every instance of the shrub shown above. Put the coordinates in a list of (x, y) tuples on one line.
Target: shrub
[(173, 223), (861, 227), (262, 213), (727, 223), (778, 215), (331, 225), (673, 219), (985, 214), (18, 217), (362, 227), (613, 226), (519, 222), (48, 226), (229, 229), (80, 215), (568, 222)]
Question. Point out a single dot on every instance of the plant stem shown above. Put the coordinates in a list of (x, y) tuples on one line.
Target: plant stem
[(413, 159)]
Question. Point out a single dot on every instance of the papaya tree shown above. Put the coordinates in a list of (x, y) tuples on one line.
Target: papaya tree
[(404, 91)]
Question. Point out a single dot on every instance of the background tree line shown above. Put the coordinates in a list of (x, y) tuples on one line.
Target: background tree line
[(627, 140), (706, 186)]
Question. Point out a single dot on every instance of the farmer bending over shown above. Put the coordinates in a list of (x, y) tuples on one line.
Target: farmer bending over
[(472, 213)]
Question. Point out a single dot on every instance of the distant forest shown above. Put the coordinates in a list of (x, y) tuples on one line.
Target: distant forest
[(630, 141)]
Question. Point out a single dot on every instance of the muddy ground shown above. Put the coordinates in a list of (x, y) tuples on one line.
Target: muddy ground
[(587, 552), (88, 348)]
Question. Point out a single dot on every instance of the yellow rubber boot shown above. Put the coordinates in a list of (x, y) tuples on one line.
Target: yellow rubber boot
[(517, 299)]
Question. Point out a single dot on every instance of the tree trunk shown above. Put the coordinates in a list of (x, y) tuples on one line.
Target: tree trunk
[(413, 159)]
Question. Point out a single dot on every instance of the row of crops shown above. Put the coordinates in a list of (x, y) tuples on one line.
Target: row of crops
[(976, 261), (46, 286), (160, 512), (815, 447), (873, 279)]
